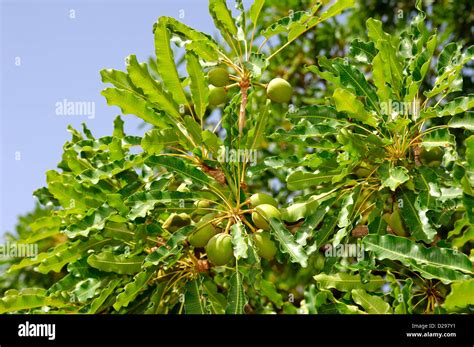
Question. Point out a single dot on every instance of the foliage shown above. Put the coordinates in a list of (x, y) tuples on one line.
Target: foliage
[(375, 207)]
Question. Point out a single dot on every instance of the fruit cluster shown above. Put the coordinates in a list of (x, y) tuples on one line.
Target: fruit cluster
[(209, 234), (278, 89)]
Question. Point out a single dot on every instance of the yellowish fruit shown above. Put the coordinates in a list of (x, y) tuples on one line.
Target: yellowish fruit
[(266, 248), (262, 215), (217, 96), (203, 231), (279, 90), (219, 249), (218, 77), (262, 198), (176, 221)]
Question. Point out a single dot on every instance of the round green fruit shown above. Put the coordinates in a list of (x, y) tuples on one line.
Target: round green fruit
[(203, 231), (263, 213), (202, 206), (176, 221), (265, 246), (279, 90), (219, 249), (217, 96), (262, 198), (218, 77)]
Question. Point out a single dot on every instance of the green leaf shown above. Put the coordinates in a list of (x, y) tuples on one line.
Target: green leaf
[(193, 299), (177, 165), (165, 63), (438, 138), (217, 301), (132, 104), (14, 301), (464, 122), (309, 206), (307, 229), (238, 240), (73, 251), (393, 177), (236, 298), (105, 293), (345, 282), (121, 264), (415, 217), (133, 288), (222, 18), (347, 102), (451, 108), (407, 251), (199, 88), (269, 290), (288, 244), (299, 180), (155, 140), (255, 10), (172, 247), (371, 303), (152, 89), (470, 151), (362, 52), (461, 295), (204, 46), (353, 79)]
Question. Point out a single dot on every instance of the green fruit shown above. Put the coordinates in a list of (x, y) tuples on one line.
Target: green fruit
[(279, 90), (217, 96), (219, 249), (395, 222), (176, 221), (265, 246), (262, 198), (218, 77), (319, 262), (202, 206), (263, 213), (203, 231), (362, 172)]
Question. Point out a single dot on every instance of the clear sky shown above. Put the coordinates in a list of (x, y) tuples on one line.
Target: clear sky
[(54, 50)]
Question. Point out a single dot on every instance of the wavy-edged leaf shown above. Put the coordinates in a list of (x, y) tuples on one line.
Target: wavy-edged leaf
[(393, 177), (407, 251), (287, 243), (153, 90), (121, 264), (142, 202), (465, 121), (371, 303), (438, 138), (177, 165), (172, 248), (198, 87), (236, 299), (30, 298), (105, 294), (194, 298), (132, 104), (223, 19), (347, 102), (345, 282), (362, 52), (165, 63), (461, 295), (237, 232), (134, 288), (217, 302), (72, 252)]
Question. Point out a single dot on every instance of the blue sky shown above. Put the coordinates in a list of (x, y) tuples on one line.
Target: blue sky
[(46, 57)]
